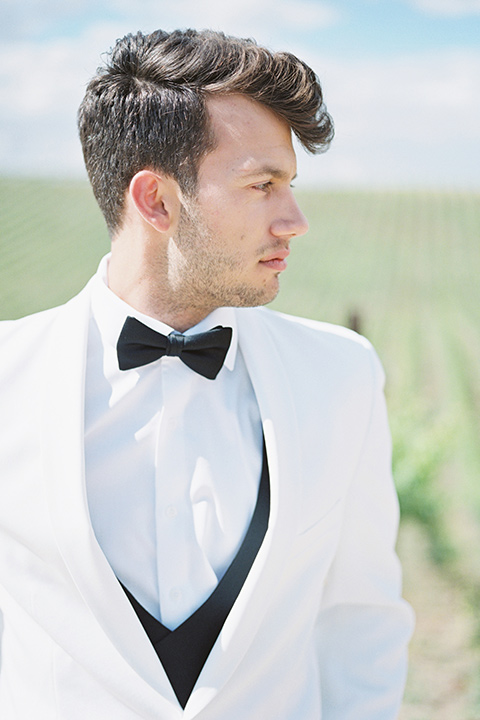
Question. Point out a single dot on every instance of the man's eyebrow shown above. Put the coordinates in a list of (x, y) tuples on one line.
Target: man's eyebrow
[(267, 170)]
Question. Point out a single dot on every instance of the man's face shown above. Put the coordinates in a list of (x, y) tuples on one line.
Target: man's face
[(232, 240)]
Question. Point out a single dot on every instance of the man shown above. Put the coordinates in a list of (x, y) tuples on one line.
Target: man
[(197, 514)]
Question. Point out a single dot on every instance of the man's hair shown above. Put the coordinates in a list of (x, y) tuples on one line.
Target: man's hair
[(146, 108)]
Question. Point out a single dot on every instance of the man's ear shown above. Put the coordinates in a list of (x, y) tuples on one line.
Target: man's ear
[(155, 198)]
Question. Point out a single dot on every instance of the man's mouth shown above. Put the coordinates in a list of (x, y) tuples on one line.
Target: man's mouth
[(276, 260)]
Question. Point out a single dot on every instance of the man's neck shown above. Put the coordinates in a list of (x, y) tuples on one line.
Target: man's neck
[(150, 293)]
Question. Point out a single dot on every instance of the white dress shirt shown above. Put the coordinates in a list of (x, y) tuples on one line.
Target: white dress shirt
[(173, 462)]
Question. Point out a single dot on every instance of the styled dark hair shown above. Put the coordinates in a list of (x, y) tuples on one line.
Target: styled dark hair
[(146, 108)]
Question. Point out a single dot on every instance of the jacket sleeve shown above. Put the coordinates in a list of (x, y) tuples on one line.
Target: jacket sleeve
[(364, 625)]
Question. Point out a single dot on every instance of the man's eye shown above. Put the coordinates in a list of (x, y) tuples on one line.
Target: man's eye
[(264, 186)]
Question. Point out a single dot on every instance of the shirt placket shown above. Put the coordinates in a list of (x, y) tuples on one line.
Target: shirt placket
[(181, 576)]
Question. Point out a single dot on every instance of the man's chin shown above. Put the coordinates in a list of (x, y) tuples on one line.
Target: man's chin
[(255, 297)]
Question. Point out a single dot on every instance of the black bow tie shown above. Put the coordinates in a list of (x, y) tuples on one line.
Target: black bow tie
[(204, 352)]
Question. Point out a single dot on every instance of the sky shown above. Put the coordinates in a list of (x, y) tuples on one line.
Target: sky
[(401, 79)]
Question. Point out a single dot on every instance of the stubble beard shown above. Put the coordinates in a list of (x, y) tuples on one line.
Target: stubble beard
[(206, 278)]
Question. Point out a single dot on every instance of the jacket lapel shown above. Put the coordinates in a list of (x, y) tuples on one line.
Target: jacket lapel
[(277, 410), (116, 641), (119, 652)]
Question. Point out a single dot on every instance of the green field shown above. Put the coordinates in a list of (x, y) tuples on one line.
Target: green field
[(407, 264)]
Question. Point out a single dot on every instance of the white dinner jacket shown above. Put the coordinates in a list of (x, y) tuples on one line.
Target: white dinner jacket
[(318, 630)]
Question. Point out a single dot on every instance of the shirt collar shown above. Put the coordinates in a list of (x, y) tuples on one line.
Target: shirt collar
[(110, 313)]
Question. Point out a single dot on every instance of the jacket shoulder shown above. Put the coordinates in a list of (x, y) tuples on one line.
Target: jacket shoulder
[(26, 330), (316, 331), (320, 347), (28, 321), (37, 324), (23, 341)]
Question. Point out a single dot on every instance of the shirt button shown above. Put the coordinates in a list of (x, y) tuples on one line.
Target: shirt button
[(171, 511), (175, 595)]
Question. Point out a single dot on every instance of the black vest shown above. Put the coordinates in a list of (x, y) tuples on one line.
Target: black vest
[(184, 651)]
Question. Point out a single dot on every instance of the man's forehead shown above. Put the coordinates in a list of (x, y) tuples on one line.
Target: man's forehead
[(254, 138), (237, 114)]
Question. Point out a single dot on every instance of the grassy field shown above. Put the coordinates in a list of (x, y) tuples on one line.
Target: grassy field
[(407, 266)]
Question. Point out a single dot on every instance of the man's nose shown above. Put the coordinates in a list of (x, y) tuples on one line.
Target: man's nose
[(291, 221)]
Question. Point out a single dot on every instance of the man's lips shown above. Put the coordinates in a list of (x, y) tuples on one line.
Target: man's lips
[(277, 260)]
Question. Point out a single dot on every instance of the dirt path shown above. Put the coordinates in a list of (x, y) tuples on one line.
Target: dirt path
[(444, 676)]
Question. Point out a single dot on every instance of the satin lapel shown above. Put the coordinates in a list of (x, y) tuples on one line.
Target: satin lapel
[(117, 641), (271, 384)]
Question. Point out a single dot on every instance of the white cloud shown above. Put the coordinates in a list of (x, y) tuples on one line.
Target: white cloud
[(270, 21), (411, 120), (233, 17), (42, 76), (399, 120), (306, 15), (452, 8), (41, 86)]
